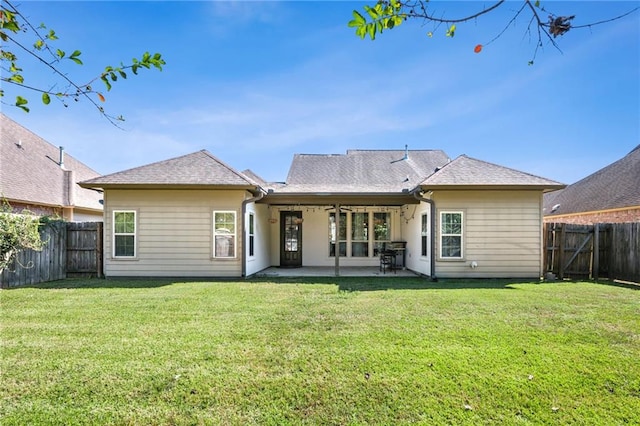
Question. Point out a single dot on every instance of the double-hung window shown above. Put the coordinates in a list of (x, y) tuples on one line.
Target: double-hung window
[(224, 234), (124, 233), (451, 231)]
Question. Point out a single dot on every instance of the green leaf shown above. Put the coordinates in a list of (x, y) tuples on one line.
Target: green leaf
[(76, 60), (106, 81), (358, 20), (371, 12), (17, 78), (371, 29), (361, 31), (52, 35), (122, 74), (46, 99), (537, 3), (113, 76), (39, 44), (390, 24), (134, 68), (60, 53), (21, 102), (451, 31)]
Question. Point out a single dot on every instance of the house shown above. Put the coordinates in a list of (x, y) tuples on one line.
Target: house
[(196, 216), (610, 195), (42, 178)]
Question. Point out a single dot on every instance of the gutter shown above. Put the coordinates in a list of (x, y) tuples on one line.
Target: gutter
[(258, 197), (417, 194)]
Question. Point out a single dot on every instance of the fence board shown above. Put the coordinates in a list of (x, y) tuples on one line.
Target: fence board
[(613, 250), (32, 267), (72, 249), (83, 249)]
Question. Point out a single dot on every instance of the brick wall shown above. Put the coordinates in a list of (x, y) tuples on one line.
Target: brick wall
[(618, 216)]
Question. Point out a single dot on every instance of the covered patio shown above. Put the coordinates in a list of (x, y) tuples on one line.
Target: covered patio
[(329, 271)]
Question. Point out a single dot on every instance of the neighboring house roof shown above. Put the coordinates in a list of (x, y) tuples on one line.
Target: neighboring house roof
[(467, 172), (30, 171), (197, 169), (361, 171), (612, 187)]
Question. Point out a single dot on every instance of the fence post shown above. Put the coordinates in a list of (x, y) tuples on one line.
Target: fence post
[(99, 248), (595, 272), (561, 244)]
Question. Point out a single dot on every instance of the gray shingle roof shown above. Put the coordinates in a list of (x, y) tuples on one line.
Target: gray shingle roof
[(470, 172), (361, 171), (614, 186), (30, 171), (200, 168)]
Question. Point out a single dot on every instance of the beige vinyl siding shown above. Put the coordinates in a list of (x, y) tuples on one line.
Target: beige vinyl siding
[(174, 232), (502, 233)]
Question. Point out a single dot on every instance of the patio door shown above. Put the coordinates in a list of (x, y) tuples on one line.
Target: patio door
[(290, 239)]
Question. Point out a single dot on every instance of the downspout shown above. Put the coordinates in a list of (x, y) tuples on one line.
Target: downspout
[(417, 194), (260, 195)]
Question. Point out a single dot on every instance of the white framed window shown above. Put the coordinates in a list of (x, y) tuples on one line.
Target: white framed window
[(360, 234), (381, 232), (451, 235), (424, 235), (252, 234), (337, 236), (224, 234), (124, 233)]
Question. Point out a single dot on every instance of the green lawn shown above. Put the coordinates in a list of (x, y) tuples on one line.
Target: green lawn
[(320, 351)]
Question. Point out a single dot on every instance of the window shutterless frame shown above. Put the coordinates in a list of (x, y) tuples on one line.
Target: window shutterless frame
[(252, 234), (124, 234), (224, 234), (424, 234), (451, 235)]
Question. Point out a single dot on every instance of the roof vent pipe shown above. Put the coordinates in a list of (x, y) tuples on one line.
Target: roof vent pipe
[(61, 162), (406, 152)]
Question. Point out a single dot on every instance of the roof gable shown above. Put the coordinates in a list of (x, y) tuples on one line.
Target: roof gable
[(30, 170), (614, 186), (200, 168), (465, 171)]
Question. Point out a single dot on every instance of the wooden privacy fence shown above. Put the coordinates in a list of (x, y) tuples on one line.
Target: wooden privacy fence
[(72, 249), (605, 250)]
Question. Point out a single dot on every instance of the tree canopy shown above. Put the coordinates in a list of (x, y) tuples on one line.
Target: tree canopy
[(542, 23), (42, 46)]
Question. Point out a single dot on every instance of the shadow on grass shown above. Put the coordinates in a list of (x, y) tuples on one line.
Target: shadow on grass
[(400, 283), (350, 284), (133, 283)]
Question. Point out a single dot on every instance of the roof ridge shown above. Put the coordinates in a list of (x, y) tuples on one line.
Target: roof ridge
[(231, 169), (504, 167)]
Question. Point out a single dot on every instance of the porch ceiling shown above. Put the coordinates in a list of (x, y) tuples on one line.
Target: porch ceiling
[(331, 199)]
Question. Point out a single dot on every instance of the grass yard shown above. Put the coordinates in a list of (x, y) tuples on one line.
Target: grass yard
[(319, 351)]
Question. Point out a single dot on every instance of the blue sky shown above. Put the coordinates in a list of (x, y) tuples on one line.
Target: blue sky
[(256, 82)]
